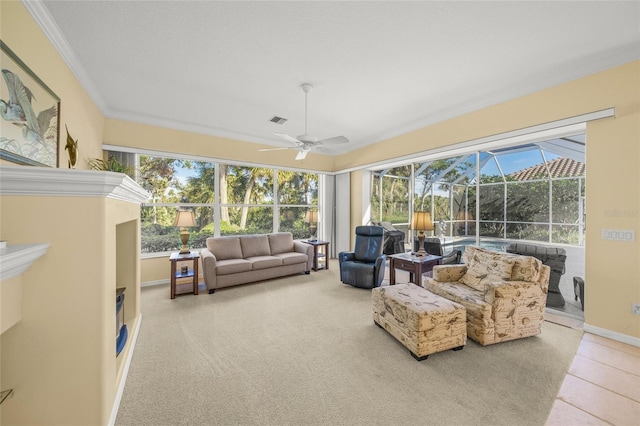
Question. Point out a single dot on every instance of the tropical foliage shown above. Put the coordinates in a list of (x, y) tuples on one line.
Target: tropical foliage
[(246, 200), (531, 210)]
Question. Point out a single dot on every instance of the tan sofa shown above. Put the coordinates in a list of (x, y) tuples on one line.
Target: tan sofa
[(241, 259), (504, 294)]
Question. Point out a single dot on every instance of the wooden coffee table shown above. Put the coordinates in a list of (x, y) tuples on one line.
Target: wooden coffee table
[(415, 265)]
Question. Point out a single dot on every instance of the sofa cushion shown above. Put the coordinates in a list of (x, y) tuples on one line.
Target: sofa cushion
[(225, 247), (232, 266), (281, 242), (264, 262), (472, 300), (255, 245), (485, 267), (292, 258)]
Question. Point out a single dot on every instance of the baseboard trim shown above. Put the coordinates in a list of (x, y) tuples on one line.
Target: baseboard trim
[(125, 372), (152, 283), (619, 337)]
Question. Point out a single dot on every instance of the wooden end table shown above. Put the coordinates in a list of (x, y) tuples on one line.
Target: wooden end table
[(415, 265), (320, 251), (191, 272)]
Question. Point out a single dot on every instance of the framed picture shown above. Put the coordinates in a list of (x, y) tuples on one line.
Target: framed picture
[(30, 115)]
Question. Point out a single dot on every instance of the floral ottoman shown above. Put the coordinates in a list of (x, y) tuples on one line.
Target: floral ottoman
[(422, 321)]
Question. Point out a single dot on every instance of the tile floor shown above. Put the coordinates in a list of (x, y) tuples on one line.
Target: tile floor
[(602, 386)]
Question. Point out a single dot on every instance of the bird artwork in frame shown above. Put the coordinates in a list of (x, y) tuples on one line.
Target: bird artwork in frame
[(30, 112)]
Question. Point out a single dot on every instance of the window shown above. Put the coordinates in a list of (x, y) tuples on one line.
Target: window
[(297, 194), (249, 199), (527, 192)]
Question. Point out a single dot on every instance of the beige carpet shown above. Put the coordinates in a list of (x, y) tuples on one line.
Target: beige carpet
[(303, 350)]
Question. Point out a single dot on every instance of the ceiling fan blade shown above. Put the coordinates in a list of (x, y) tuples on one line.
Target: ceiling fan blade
[(288, 138), (302, 154), (333, 141), (326, 150), (274, 149)]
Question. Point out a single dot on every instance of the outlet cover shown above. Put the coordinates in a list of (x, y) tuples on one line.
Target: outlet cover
[(635, 308)]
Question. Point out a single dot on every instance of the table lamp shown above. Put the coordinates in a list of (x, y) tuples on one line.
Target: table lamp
[(421, 222), (312, 219), (184, 219)]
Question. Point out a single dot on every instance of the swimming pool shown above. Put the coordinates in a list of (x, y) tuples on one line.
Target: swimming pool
[(497, 245)]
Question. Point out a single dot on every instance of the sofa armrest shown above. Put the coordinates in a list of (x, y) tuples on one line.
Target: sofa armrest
[(307, 249), (209, 263), (448, 273)]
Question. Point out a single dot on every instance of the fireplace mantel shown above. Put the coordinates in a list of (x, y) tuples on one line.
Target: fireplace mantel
[(14, 260), (50, 182)]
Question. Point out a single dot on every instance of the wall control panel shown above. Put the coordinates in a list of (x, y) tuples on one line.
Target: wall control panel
[(618, 234)]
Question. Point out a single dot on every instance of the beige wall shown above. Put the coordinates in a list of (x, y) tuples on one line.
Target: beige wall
[(613, 176), (10, 303)]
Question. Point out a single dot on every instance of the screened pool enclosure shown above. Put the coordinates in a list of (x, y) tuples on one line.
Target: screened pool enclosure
[(533, 192)]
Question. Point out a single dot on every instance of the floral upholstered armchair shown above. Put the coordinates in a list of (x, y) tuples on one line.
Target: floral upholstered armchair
[(504, 294)]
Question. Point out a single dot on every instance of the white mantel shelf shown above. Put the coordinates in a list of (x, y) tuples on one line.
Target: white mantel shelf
[(51, 182), (15, 259)]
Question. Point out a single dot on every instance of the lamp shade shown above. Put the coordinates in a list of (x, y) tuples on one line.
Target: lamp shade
[(311, 216), (185, 219), (422, 221)]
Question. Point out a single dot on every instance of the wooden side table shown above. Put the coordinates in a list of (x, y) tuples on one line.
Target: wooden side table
[(320, 251), (191, 272), (415, 265)]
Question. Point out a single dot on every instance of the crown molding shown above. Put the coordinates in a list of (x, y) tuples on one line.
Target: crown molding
[(50, 182), (47, 24)]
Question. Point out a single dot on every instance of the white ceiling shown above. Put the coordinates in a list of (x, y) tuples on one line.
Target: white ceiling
[(378, 69)]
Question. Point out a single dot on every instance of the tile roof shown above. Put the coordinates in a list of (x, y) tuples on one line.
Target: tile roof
[(559, 167)]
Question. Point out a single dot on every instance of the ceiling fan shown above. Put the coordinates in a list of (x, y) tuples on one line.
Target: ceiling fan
[(305, 142)]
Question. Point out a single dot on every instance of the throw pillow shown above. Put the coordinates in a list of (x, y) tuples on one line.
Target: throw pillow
[(526, 268), (485, 267)]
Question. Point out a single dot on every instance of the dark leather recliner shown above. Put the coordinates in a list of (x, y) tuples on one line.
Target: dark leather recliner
[(364, 267), (434, 246)]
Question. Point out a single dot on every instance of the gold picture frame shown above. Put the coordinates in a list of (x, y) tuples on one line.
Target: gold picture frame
[(30, 115)]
